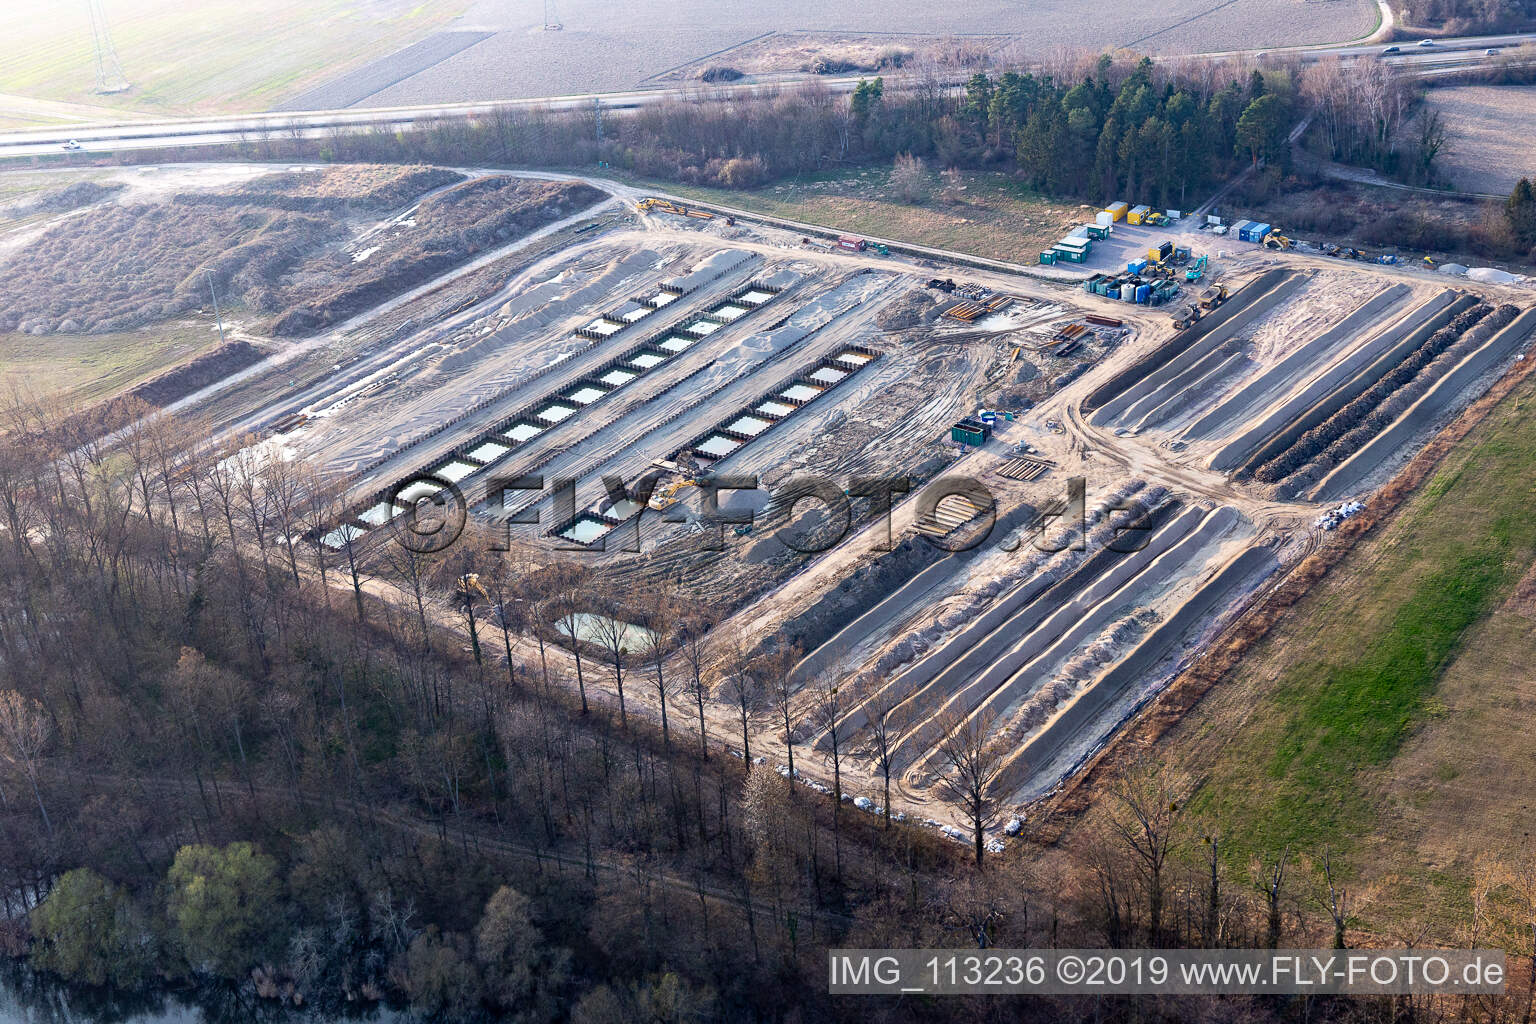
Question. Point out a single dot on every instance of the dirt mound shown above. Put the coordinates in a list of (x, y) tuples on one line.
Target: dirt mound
[(719, 74), (180, 381), (913, 309), (448, 230), (354, 187)]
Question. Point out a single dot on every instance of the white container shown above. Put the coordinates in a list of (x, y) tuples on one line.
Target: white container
[(1104, 218)]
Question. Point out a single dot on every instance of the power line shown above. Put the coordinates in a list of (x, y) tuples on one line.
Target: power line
[(109, 70)]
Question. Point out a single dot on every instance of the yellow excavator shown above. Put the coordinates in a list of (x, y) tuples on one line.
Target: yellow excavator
[(650, 203), (1275, 240), (664, 498)]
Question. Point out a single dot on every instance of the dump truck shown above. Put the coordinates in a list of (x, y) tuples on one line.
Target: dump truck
[(1187, 317), (1213, 297)]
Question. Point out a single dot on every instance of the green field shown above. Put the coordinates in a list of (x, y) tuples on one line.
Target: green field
[(80, 369), (205, 57), (1388, 716), (989, 215)]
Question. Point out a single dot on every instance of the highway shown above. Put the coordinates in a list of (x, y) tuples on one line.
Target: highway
[(1447, 56)]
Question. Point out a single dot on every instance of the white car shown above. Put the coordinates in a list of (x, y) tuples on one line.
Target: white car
[(72, 145), (1426, 42)]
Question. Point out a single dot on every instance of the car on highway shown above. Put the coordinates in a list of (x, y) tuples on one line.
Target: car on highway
[(1391, 49), (72, 145), (1426, 42), (1492, 51)]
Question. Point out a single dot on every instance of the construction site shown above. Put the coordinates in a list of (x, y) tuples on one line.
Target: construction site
[(1093, 484)]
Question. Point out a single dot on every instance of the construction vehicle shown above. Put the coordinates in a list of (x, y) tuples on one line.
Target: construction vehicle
[(651, 204), (944, 285), (1187, 317), (1197, 271), (1275, 240), (1213, 297), (666, 497)]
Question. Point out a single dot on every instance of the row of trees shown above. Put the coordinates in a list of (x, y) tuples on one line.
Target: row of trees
[(218, 772)]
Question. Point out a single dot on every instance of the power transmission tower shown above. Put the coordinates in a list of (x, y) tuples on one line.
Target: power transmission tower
[(109, 70)]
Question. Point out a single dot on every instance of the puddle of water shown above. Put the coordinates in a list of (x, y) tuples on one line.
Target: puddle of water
[(646, 360), (676, 344), (617, 378), (778, 410), (586, 626), (749, 425), (585, 530), (800, 393), (338, 538), (379, 514), (637, 314), (586, 395), (418, 490), (854, 358), (554, 413), (828, 375), (489, 452), (718, 446), (521, 432), (453, 471), (623, 509)]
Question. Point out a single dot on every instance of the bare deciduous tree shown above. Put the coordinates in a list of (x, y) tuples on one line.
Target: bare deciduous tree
[(24, 732), (971, 758)]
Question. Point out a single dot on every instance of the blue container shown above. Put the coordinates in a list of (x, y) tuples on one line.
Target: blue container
[(1136, 266), (1142, 293), (1112, 292)]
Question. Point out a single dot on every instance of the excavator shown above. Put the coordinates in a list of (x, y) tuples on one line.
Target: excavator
[(1275, 240), (651, 203), (1197, 271)]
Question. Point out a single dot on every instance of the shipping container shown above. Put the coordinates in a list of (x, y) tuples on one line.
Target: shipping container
[(1116, 211), (1048, 258), (1136, 266), (1254, 232), (1098, 232), (1104, 218), (1239, 228), (1137, 214), (851, 243)]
